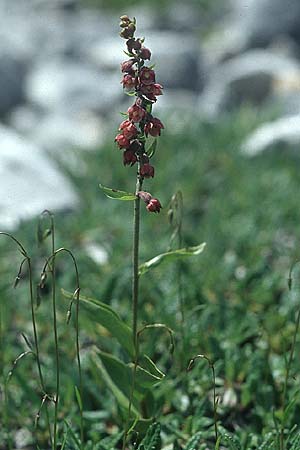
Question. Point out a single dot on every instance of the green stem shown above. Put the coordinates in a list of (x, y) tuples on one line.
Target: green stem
[(215, 400), (5, 412), (76, 297), (36, 342), (180, 292), (135, 293), (56, 401), (135, 259)]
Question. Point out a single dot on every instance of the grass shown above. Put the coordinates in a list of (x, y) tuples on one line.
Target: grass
[(238, 311)]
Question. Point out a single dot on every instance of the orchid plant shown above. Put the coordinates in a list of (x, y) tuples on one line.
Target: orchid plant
[(139, 81)]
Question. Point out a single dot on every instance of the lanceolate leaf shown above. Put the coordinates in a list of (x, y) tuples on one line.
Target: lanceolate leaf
[(115, 194), (104, 315), (119, 378), (171, 256), (116, 377)]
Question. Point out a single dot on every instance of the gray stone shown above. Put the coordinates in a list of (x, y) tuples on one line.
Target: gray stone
[(29, 181), (263, 20), (281, 135), (178, 57), (57, 131), (72, 87), (12, 75), (250, 78)]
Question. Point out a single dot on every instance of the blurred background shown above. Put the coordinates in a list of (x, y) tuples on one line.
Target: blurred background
[(59, 79), (60, 72)]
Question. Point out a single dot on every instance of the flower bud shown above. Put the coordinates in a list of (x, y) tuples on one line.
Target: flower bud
[(128, 32), (136, 113), (129, 158), (145, 196), (145, 53), (147, 171), (122, 141), (154, 205), (125, 19)]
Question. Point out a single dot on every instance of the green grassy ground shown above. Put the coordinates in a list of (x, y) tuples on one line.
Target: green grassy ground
[(238, 311)]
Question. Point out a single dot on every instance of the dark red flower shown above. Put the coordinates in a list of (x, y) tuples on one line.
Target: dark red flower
[(122, 141), (154, 205), (145, 53), (129, 158), (136, 113), (126, 66), (133, 44), (147, 171), (157, 89), (128, 82), (153, 127), (147, 76), (129, 130)]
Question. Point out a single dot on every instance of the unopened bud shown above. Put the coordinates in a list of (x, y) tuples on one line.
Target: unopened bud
[(128, 32), (145, 53), (124, 21), (145, 196)]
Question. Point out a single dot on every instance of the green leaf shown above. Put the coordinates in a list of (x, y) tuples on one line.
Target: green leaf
[(171, 256), (151, 367), (115, 194), (152, 440), (152, 148), (193, 442), (118, 376), (78, 398), (233, 444), (218, 443), (104, 315)]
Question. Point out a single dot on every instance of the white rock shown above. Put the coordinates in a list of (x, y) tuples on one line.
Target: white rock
[(72, 87), (262, 20), (178, 57), (281, 135), (29, 181), (249, 78), (96, 252)]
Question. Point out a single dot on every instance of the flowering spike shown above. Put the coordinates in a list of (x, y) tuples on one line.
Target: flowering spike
[(139, 80)]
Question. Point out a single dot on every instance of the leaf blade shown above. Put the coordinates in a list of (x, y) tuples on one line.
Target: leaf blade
[(116, 194), (106, 317), (171, 256)]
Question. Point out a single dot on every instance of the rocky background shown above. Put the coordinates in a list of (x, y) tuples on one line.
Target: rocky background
[(60, 83)]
